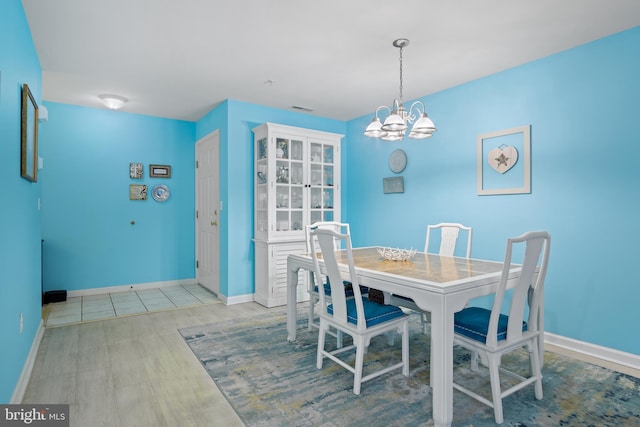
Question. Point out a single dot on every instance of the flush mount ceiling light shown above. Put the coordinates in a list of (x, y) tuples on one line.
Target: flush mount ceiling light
[(395, 124), (113, 101)]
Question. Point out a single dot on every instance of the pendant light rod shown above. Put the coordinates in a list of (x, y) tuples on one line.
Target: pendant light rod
[(401, 44)]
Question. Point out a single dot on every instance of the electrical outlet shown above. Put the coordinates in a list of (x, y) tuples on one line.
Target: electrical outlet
[(21, 322)]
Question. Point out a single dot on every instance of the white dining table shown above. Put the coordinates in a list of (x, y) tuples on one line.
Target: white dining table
[(441, 285)]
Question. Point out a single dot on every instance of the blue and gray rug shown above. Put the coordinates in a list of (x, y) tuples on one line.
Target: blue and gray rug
[(272, 382)]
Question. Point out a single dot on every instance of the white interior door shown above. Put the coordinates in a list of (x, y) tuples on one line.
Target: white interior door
[(207, 212)]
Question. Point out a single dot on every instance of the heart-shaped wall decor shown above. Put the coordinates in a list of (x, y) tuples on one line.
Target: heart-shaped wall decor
[(503, 158)]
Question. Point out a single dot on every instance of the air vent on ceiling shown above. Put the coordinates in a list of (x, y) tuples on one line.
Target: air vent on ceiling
[(301, 108)]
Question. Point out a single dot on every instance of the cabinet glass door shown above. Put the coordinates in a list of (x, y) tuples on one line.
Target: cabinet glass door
[(262, 172), (321, 180), (289, 184)]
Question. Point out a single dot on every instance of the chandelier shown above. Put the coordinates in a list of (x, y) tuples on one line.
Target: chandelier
[(395, 125)]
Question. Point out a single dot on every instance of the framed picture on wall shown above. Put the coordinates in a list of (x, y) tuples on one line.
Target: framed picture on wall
[(160, 171), (29, 136), (504, 161), (137, 192), (136, 170), (394, 184)]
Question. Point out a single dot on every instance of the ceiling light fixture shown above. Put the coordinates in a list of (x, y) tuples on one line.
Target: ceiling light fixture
[(113, 102), (395, 124)]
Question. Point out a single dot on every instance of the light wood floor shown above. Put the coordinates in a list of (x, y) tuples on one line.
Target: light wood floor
[(133, 371)]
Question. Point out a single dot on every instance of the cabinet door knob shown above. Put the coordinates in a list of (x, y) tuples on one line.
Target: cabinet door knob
[(214, 222)]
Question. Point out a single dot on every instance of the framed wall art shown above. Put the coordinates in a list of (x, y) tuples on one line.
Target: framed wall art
[(29, 136), (137, 192), (160, 171), (504, 161), (136, 170), (395, 184)]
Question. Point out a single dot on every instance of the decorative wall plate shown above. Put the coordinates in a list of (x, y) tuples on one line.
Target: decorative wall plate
[(503, 158), (397, 160), (160, 193)]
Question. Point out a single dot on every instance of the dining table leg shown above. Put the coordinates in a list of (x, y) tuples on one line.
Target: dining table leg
[(292, 300), (442, 366)]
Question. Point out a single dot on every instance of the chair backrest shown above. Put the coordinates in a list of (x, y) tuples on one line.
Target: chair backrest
[(528, 288), (449, 232), (331, 225), (328, 240)]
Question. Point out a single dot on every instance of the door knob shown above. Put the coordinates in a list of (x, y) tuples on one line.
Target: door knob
[(214, 222)]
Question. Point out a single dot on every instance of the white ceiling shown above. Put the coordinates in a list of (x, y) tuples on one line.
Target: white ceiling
[(180, 58)]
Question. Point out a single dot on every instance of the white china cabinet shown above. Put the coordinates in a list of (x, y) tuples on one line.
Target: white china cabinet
[(296, 182)]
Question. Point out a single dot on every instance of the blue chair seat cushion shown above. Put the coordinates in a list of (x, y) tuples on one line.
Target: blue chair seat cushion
[(473, 322), (348, 287), (374, 313)]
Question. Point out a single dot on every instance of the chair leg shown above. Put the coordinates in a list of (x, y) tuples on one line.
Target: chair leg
[(534, 356), (405, 349), (391, 337), (312, 303), (425, 323), (357, 375), (474, 361), (322, 331), (494, 374)]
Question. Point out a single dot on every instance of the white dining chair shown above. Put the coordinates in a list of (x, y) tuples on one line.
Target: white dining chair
[(358, 317), (449, 233), (490, 333), (312, 285)]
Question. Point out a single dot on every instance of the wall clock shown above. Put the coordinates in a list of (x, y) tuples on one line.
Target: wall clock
[(397, 160)]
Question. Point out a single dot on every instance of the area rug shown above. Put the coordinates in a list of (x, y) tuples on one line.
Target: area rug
[(272, 382)]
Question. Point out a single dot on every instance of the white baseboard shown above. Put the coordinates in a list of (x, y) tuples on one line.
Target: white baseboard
[(25, 376), (617, 360), (239, 299), (129, 287)]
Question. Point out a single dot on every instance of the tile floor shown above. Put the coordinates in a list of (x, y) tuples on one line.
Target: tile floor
[(118, 304)]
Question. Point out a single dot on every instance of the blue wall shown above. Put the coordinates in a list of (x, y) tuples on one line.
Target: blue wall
[(19, 215), (236, 120), (86, 212), (582, 106)]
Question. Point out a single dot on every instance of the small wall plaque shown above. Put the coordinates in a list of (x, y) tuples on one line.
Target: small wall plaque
[(137, 192), (135, 170), (160, 171), (394, 184)]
